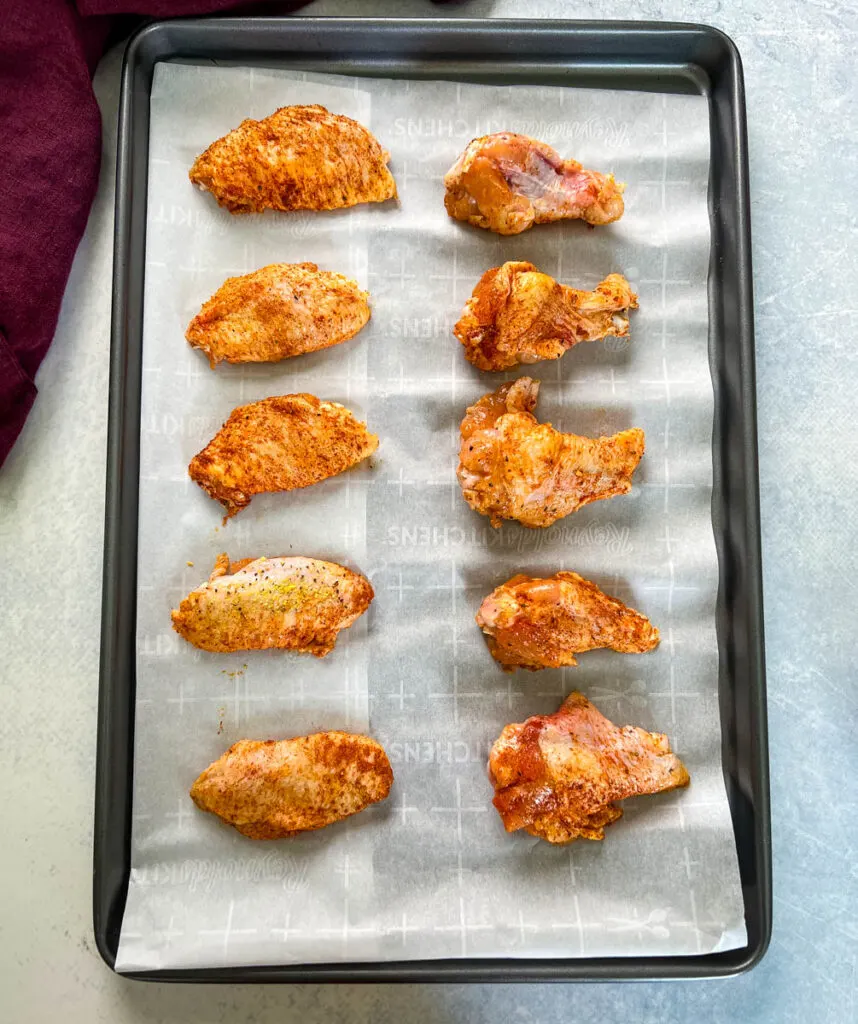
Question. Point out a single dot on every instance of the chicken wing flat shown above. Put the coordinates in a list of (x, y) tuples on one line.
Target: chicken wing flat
[(559, 776), (543, 623), (298, 158), (272, 789), (507, 183), (282, 310), (279, 444), (294, 603), (513, 467), (519, 315)]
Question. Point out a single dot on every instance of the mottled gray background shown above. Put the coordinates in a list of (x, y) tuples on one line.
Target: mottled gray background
[(799, 68)]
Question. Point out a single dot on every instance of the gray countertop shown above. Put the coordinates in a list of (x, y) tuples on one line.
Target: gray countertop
[(799, 63)]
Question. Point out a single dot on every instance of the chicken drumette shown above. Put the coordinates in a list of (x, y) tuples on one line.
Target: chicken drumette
[(298, 158), (282, 310), (558, 776), (513, 467), (543, 623), (508, 182), (293, 603), (519, 315), (279, 444), (276, 788)]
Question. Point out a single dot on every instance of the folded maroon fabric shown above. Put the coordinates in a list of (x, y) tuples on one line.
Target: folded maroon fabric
[(51, 131)]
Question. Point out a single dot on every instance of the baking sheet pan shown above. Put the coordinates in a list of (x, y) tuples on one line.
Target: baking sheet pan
[(737, 636)]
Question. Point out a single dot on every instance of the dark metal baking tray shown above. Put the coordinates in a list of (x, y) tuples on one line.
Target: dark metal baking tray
[(617, 55)]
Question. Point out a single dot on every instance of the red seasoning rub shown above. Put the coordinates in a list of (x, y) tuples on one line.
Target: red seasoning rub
[(273, 789), (298, 158), (293, 603), (507, 183), (279, 444), (543, 623), (519, 315), (559, 776), (282, 310), (511, 466)]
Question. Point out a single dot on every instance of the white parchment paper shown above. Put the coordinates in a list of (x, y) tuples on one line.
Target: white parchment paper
[(430, 873)]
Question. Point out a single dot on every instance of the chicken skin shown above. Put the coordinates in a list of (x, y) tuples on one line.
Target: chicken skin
[(282, 310), (272, 789), (558, 776), (519, 315), (513, 467), (297, 604), (298, 158), (279, 444), (543, 623), (508, 182)]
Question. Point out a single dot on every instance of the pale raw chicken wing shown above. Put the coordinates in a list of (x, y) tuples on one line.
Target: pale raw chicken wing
[(292, 603), (559, 776), (513, 467), (272, 789), (298, 158), (508, 182), (279, 444), (543, 623), (282, 310), (519, 315)]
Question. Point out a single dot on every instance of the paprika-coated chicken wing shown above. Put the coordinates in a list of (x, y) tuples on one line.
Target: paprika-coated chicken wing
[(559, 776), (292, 603), (298, 158), (513, 467), (543, 623), (519, 315), (273, 789), (282, 310), (507, 183), (279, 444)]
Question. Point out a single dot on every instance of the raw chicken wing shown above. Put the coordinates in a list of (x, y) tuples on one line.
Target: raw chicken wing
[(519, 315), (558, 776), (543, 623), (298, 158), (272, 789), (281, 310), (507, 183), (294, 603), (279, 444), (513, 467)]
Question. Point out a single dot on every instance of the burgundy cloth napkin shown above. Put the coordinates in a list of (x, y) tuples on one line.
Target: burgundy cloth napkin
[(51, 148)]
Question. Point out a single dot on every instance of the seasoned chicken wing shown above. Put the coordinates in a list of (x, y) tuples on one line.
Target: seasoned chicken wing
[(543, 623), (507, 183), (298, 158), (294, 603), (558, 776), (282, 310), (272, 789), (513, 467), (519, 315), (279, 444)]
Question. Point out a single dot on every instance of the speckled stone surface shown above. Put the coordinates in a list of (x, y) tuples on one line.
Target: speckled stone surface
[(802, 98)]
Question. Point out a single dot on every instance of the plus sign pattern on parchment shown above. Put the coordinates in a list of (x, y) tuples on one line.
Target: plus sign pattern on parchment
[(430, 873)]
